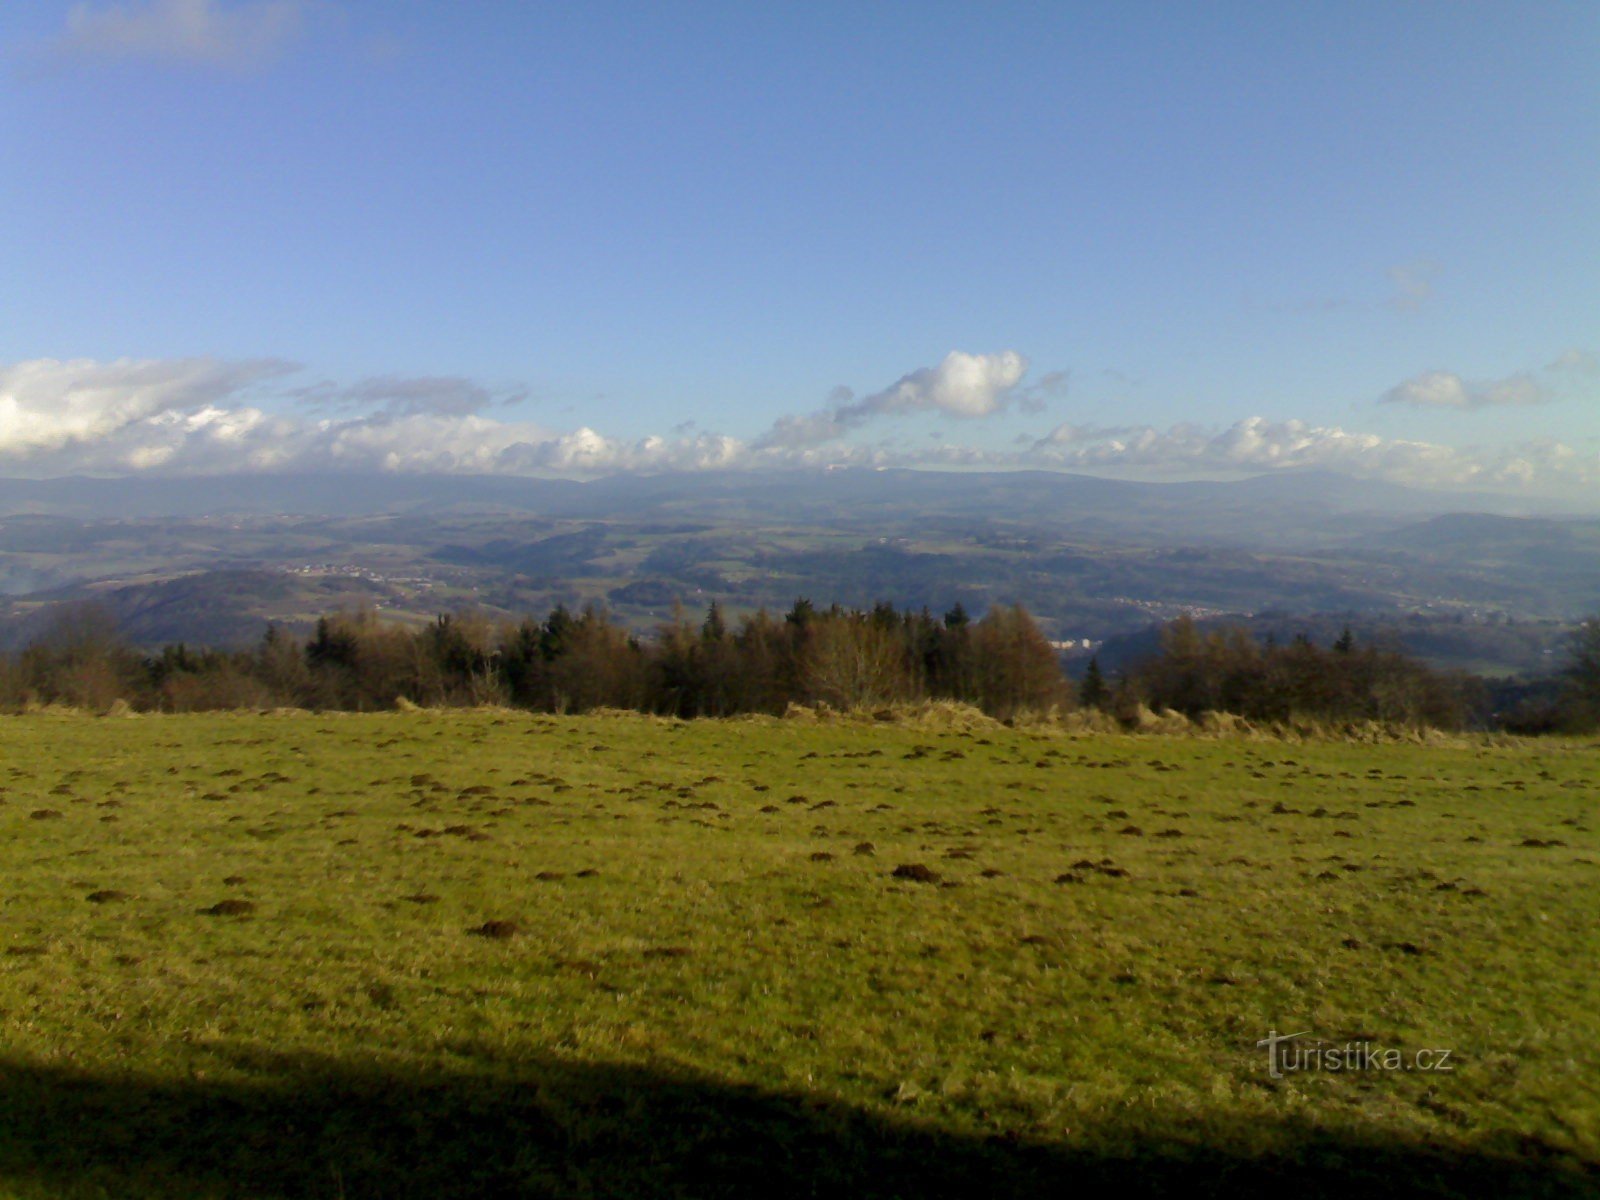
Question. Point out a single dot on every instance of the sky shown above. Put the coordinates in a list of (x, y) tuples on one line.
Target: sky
[(1150, 240)]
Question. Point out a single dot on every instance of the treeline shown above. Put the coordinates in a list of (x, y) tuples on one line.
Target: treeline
[(1229, 671), (1568, 702), (840, 657), (568, 662)]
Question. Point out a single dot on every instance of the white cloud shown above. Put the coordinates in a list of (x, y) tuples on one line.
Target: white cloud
[(962, 385), (1431, 389), (47, 405), (182, 31), (1447, 390)]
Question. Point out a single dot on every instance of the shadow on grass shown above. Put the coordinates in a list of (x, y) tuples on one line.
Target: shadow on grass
[(313, 1127)]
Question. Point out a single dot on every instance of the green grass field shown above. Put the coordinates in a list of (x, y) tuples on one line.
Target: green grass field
[(483, 954)]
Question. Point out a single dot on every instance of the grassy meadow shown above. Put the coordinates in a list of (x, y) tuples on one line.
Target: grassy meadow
[(493, 953)]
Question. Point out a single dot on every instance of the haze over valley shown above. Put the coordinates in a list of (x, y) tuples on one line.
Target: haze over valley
[(1451, 576)]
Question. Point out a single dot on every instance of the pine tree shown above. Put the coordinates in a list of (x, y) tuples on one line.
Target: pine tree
[(715, 628), (1094, 692)]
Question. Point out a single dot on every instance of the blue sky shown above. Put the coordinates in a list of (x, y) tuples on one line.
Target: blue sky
[(1142, 239)]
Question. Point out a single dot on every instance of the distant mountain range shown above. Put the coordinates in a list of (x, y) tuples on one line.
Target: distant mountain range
[(213, 560), (820, 494)]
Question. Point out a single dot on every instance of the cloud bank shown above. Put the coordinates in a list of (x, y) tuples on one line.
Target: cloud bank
[(204, 417), (1257, 445)]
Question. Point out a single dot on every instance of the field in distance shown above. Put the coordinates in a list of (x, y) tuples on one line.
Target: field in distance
[(494, 953)]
